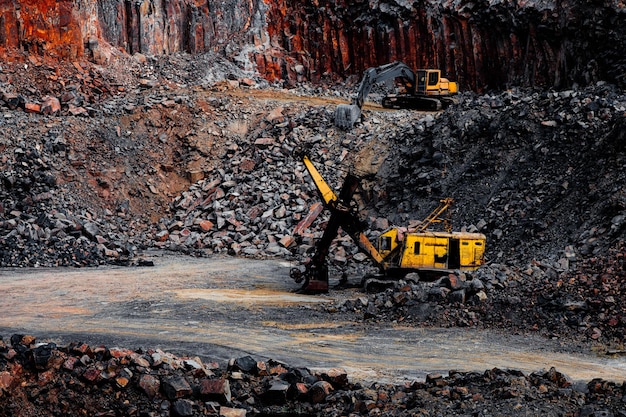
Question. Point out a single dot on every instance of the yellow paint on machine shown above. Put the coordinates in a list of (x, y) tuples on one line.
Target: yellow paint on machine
[(432, 250)]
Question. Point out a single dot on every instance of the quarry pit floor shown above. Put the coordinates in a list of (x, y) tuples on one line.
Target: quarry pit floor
[(222, 307)]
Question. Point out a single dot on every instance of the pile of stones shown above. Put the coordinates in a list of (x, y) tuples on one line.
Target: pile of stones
[(78, 379)]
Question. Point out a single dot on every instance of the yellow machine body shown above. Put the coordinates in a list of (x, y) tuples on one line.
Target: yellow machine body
[(427, 250), (430, 82)]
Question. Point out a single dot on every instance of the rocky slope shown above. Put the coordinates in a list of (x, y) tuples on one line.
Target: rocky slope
[(165, 157), (540, 165)]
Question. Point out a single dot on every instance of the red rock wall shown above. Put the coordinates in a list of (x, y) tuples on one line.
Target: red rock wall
[(64, 28), (166, 26), (43, 27), (483, 44)]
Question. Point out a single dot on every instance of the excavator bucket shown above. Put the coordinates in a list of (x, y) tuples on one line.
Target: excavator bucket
[(346, 115)]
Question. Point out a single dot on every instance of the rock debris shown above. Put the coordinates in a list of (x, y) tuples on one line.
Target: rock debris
[(169, 154)]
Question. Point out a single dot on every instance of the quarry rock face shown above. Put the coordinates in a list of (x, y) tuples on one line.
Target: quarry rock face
[(484, 44), (163, 26), (54, 28), (70, 30)]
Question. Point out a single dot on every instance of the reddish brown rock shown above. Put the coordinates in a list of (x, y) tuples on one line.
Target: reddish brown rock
[(122, 381), (162, 236), (247, 165), (92, 375), (27, 340), (319, 391), (176, 386), (32, 107), (50, 105), (266, 141), (314, 211), (150, 385), (286, 241), (215, 389), (206, 225), (6, 379), (70, 363)]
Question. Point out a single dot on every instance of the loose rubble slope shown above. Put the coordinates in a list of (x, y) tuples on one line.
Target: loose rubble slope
[(174, 154)]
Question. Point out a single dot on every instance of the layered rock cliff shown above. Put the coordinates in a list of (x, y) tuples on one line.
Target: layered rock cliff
[(72, 29), (484, 44)]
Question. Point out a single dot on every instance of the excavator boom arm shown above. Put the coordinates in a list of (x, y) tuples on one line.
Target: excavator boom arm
[(383, 73), (347, 114), (366, 247), (326, 193), (342, 216), (339, 207)]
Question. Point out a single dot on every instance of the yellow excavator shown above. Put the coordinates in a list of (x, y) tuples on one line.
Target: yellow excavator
[(424, 89), (397, 251)]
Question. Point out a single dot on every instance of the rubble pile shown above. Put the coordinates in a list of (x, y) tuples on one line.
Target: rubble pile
[(34, 233), (251, 205), (41, 85), (38, 378), (79, 187), (541, 173), (44, 221), (586, 305)]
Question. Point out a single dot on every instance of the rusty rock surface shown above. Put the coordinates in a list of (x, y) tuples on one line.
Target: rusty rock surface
[(484, 44), (78, 379), (73, 30)]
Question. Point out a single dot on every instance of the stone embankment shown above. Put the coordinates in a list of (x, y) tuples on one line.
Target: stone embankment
[(39, 378)]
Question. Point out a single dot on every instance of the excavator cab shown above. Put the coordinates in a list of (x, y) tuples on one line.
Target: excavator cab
[(426, 78), (430, 82)]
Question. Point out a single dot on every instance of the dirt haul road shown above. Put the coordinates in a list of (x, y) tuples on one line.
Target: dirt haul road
[(220, 308)]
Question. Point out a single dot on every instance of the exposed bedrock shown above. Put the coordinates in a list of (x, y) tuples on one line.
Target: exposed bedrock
[(72, 29), (483, 44)]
